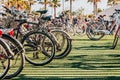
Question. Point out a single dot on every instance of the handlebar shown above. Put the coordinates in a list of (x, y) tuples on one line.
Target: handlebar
[(14, 12), (3, 14), (117, 11), (102, 16)]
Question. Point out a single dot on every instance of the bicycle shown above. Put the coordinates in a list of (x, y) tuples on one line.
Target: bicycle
[(62, 49), (18, 60), (28, 40), (117, 30), (97, 29), (16, 47), (5, 56), (61, 38)]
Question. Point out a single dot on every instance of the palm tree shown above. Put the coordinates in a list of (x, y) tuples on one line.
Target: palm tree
[(80, 11), (70, 5), (94, 5), (2, 1), (63, 3), (113, 2), (16, 3), (20, 4), (45, 2), (70, 11), (55, 4), (30, 3)]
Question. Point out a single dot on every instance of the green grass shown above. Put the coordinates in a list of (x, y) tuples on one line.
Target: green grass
[(88, 60)]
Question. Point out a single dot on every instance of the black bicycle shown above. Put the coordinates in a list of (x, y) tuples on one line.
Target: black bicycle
[(40, 48)]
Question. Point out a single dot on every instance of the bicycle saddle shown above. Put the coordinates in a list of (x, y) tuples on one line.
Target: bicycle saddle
[(21, 20), (57, 17), (3, 14), (118, 10), (46, 18), (42, 12)]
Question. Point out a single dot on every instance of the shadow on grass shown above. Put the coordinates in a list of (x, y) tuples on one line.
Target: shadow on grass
[(113, 78), (81, 40), (89, 62), (91, 40), (93, 62), (92, 47), (23, 77)]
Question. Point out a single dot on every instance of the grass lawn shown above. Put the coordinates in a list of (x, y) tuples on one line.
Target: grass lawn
[(88, 60)]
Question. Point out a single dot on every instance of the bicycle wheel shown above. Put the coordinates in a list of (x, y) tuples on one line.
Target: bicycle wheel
[(4, 59), (63, 44), (69, 28), (81, 30), (92, 32), (40, 48), (18, 62)]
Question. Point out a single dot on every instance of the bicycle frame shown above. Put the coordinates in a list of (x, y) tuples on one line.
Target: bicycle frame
[(102, 24)]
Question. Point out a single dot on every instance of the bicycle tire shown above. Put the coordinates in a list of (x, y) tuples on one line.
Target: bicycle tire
[(68, 46), (17, 68), (90, 34), (31, 45), (6, 56)]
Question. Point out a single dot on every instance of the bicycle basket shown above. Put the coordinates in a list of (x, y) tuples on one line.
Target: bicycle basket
[(8, 22)]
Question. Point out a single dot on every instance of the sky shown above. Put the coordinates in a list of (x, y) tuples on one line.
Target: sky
[(77, 4)]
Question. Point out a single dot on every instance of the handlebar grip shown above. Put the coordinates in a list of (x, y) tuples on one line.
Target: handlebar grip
[(99, 18), (102, 16), (117, 10)]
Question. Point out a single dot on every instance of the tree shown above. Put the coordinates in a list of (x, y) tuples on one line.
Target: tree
[(20, 4), (90, 15), (113, 2), (63, 2), (80, 10), (45, 2), (55, 4), (30, 3), (99, 10), (94, 5), (70, 4)]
